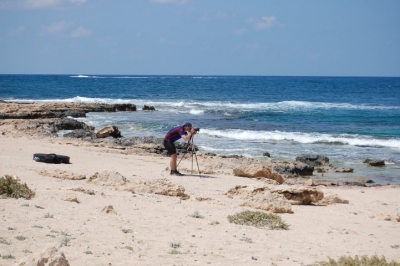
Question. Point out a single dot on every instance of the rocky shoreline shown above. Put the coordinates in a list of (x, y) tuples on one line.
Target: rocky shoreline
[(45, 120)]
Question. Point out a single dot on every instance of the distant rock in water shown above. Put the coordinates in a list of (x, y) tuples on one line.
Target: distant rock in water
[(374, 162), (148, 108)]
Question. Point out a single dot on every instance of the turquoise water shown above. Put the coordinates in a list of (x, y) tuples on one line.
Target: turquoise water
[(345, 118)]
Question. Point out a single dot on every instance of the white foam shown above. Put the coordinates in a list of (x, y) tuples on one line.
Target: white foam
[(305, 138)]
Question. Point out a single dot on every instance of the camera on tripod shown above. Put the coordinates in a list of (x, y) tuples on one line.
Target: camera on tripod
[(197, 129)]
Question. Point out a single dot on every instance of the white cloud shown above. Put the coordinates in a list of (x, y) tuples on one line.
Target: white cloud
[(54, 27), (80, 32), (170, 1), (265, 23)]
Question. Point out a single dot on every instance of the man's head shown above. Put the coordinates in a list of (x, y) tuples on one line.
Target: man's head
[(187, 126)]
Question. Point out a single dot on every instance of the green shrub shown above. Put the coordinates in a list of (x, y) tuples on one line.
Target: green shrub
[(357, 261), (258, 219), (11, 187)]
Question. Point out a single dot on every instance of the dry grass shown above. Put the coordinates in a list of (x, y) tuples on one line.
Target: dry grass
[(357, 261), (258, 219), (10, 187)]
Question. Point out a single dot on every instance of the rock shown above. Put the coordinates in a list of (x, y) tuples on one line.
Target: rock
[(309, 182), (148, 108), (313, 160), (276, 199), (108, 131), (298, 195), (80, 134), (344, 170), (332, 199), (109, 210), (266, 154), (296, 169), (260, 198), (71, 124), (258, 171), (49, 256), (373, 162)]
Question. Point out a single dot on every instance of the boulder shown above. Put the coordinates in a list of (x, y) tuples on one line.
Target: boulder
[(148, 108), (258, 171), (374, 162), (109, 131)]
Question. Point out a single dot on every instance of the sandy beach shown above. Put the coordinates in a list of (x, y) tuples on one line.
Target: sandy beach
[(95, 222)]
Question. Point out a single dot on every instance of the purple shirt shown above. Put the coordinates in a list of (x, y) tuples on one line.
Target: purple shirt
[(174, 134)]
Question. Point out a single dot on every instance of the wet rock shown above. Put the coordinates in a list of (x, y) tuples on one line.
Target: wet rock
[(374, 162), (148, 108), (71, 124), (297, 169), (109, 131), (313, 160), (80, 134)]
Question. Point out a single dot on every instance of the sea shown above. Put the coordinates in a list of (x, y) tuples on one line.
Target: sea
[(347, 119)]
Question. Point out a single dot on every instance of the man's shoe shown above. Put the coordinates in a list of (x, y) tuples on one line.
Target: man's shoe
[(175, 172)]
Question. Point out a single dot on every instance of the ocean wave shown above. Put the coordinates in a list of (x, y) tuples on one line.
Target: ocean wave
[(305, 138), (279, 107)]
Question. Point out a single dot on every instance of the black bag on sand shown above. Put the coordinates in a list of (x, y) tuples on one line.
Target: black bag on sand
[(50, 158)]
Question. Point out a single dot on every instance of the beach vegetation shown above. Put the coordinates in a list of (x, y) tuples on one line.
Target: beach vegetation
[(11, 228), (196, 214), (20, 238), (88, 252), (48, 215), (8, 257), (64, 242), (258, 219), (174, 251), (3, 241), (11, 187), (358, 261), (37, 226)]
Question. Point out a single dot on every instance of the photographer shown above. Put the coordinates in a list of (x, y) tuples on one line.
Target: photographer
[(185, 132)]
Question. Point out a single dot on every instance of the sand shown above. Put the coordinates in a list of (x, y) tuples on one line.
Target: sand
[(150, 229)]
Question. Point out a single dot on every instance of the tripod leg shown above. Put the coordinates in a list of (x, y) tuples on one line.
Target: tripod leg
[(198, 168)]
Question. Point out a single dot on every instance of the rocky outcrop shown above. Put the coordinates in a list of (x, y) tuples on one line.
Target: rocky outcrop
[(258, 171), (313, 160), (298, 195), (57, 110), (293, 169), (276, 199)]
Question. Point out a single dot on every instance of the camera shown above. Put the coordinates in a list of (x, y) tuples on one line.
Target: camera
[(197, 129)]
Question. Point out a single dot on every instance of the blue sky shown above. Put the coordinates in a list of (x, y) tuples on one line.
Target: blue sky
[(201, 37)]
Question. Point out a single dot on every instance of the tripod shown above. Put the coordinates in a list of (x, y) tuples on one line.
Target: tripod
[(190, 149)]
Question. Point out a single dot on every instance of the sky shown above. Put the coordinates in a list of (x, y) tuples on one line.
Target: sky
[(201, 37)]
